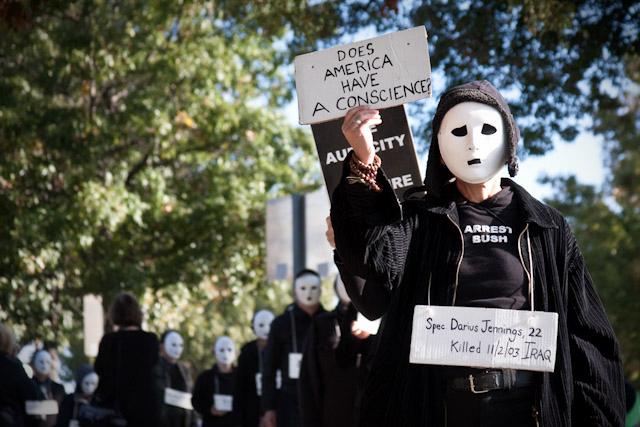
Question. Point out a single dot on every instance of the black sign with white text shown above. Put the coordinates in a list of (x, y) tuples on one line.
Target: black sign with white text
[(394, 146)]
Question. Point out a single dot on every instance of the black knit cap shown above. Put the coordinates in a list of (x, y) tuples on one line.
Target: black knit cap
[(482, 91)]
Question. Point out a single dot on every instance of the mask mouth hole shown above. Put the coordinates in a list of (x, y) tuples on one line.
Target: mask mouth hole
[(474, 162)]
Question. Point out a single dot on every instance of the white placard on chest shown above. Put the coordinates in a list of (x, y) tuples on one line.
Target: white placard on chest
[(177, 398), (223, 402), (259, 383), (295, 359), (381, 72), (484, 338), (41, 407)]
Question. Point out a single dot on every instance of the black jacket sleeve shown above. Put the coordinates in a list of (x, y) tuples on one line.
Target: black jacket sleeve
[(598, 379), (241, 391), (202, 397), (368, 297), (372, 232), (65, 415), (271, 356), (310, 383)]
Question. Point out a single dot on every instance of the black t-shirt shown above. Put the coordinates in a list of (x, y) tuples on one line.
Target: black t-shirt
[(491, 273)]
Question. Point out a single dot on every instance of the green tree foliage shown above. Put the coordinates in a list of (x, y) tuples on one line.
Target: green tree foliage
[(140, 142), (607, 220)]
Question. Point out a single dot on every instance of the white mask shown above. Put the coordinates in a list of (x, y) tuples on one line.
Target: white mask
[(89, 383), (225, 350), (341, 291), (307, 290), (42, 362), (472, 142), (262, 323), (173, 345)]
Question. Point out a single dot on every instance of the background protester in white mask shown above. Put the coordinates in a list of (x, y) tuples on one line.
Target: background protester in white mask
[(86, 384), (170, 373), (125, 362), (214, 389), (442, 240), (249, 372), (333, 366), (15, 386), (47, 388), (284, 352)]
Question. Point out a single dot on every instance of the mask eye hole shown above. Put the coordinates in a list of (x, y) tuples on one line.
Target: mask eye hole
[(461, 131), (487, 129)]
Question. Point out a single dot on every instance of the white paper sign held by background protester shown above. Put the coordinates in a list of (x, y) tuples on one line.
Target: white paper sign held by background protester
[(484, 337), (177, 398), (41, 407), (295, 359), (223, 402)]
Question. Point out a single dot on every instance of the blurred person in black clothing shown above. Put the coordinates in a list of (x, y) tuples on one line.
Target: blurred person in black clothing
[(86, 384), (47, 388), (173, 383), (249, 372), (284, 352), (125, 363), (15, 386), (333, 366), (215, 387)]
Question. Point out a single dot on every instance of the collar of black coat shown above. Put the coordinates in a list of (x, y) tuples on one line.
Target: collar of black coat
[(533, 210), (298, 312)]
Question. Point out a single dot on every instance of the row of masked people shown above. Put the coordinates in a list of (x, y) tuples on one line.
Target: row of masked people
[(303, 368), (29, 395)]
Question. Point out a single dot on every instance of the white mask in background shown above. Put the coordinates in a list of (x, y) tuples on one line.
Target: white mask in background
[(42, 362), (472, 142), (89, 383), (262, 323), (225, 350), (173, 345), (307, 290), (341, 291)]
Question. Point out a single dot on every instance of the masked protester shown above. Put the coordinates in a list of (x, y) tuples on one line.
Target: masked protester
[(86, 384), (48, 390), (214, 389), (173, 383), (249, 372), (125, 363), (284, 352), (333, 366), (474, 240), (15, 386)]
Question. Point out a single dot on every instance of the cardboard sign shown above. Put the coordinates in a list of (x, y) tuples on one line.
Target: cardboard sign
[(380, 72), (223, 402), (177, 398), (393, 142), (295, 360), (484, 338), (41, 407)]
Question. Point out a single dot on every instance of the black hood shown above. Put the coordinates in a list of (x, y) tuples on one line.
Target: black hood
[(482, 91)]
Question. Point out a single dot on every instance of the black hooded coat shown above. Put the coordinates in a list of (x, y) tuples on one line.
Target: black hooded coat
[(400, 248), (332, 370)]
